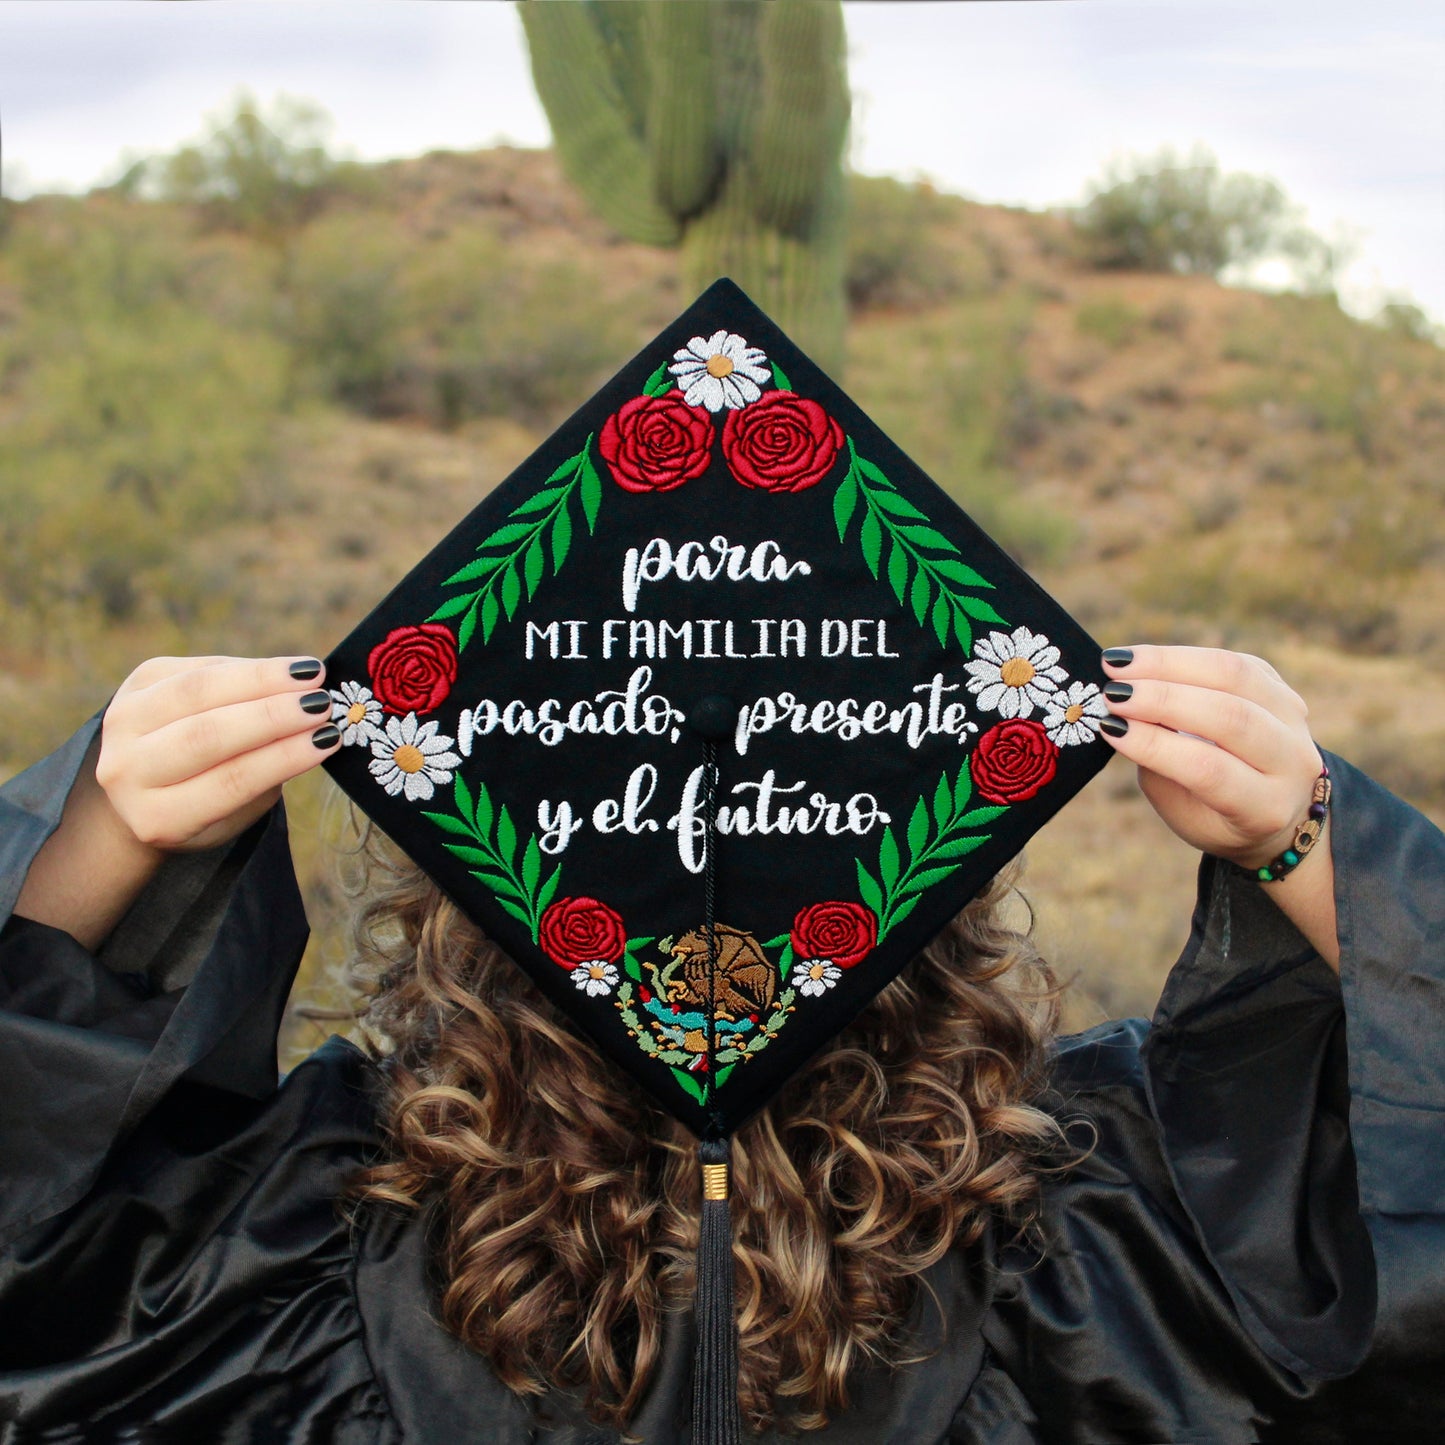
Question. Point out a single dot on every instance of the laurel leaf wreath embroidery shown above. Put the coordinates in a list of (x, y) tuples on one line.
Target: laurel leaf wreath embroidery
[(517, 553), (936, 847), (925, 570), (491, 854)]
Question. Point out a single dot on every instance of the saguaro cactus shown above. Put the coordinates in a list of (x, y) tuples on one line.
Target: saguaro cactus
[(717, 127)]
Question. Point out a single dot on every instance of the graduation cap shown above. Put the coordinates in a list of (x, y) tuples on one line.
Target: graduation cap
[(712, 715)]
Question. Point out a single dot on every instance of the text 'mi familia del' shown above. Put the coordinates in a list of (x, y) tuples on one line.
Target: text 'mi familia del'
[(894, 708)]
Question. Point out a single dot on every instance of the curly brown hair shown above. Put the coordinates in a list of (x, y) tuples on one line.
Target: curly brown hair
[(567, 1201)]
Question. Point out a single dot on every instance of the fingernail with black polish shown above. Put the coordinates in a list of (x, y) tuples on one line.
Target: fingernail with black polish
[(1116, 727), (305, 668), (1118, 691), (320, 701), (326, 737), (1118, 656)]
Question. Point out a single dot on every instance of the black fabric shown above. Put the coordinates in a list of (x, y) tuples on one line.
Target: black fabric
[(1253, 1250), (776, 576)]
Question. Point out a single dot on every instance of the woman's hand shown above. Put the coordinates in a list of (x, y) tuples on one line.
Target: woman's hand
[(192, 751), (1226, 758)]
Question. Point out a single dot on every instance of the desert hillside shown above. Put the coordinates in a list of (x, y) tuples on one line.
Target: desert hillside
[(216, 439)]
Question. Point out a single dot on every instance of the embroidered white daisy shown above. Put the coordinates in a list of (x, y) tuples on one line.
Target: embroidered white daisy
[(412, 759), (596, 978), (1015, 672), (815, 976), (719, 371), (356, 712), (1073, 716)]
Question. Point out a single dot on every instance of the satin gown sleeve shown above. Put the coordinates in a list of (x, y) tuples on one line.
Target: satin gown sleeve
[(1255, 1247), (172, 1264)]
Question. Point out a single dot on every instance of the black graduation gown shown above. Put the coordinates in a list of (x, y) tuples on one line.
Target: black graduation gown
[(1254, 1250)]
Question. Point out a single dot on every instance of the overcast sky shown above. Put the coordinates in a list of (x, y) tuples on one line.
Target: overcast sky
[(1341, 101)]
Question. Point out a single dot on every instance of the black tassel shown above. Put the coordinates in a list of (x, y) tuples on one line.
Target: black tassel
[(715, 1417)]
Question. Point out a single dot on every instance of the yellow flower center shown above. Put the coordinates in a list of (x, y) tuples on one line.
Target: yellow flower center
[(818, 971), (356, 712), (719, 366), (408, 758), (1017, 671), (597, 970), (1073, 712)]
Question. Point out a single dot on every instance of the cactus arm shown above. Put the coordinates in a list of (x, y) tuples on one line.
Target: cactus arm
[(591, 129), (802, 119), (682, 133)]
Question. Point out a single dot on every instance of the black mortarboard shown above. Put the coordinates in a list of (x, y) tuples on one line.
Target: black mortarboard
[(715, 712)]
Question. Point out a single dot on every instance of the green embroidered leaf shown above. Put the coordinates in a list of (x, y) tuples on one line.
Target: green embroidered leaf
[(491, 610), (926, 878), (942, 803), (561, 539), (462, 797), (548, 890), (499, 883), (918, 829), (448, 824), (962, 789), (469, 854), (957, 847), (506, 533), (921, 593), (452, 606), (690, 1084), (722, 1075), (590, 487), (777, 942), (888, 859), (535, 565), (780, 379), (931, 538), (868, 889), (785, 958), (941, 616), (511, 590), (516, 910), (961, 628), (483, 814), (531, 866), (659, 382), (977, 607), (957, 571), (635, 945), (979, 816), (897, 569), (871, 471), (469, 623), (481, 567), (506, 837), (543, 500), (900, 506), (565, 469), (845, 499), (870, 538), (903, 909), (631, 967)]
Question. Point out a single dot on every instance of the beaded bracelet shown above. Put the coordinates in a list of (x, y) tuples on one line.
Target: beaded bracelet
[(1305, 838)]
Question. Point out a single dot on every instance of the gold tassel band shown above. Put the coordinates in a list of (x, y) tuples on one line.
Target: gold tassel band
[(714, 1181)]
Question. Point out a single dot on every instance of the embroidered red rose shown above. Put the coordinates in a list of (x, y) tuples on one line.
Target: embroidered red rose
[(781, 443), (1013, 761), (574, 931), (656, 443), (843, 933), (414, 668)]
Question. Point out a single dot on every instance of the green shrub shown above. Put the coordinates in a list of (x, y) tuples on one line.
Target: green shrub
[(1166, 213), (894, 257)]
